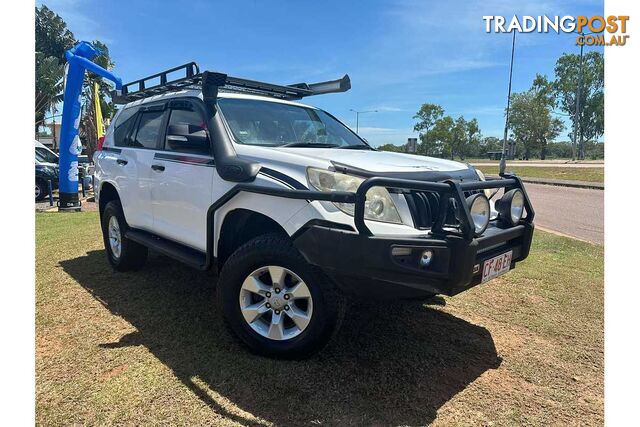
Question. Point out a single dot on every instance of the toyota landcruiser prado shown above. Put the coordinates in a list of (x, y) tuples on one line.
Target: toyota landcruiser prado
[(292, 208)]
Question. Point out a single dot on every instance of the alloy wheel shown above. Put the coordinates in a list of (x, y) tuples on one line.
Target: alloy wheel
[(115, 238), (276, 303)]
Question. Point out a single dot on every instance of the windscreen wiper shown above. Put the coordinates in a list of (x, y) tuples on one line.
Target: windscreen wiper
[(356, 147), (309, 144)]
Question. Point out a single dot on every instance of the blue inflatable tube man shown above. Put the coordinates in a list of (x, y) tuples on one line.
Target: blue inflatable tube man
[(79, 59)]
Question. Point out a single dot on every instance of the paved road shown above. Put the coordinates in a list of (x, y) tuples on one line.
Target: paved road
[(576, 212), (544, 165)]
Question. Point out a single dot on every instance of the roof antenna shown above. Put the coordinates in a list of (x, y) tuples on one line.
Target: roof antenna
[(503, 159)]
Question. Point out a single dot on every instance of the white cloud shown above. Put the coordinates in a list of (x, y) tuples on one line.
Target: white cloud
[(381, 131), (386, 109), (427, 38), (80, 24)]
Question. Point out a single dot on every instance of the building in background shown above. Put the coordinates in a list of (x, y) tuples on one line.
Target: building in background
[(411, 145), (49, 135)]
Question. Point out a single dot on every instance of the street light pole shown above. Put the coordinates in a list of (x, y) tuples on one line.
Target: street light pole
[(358, 116), (503, 160)]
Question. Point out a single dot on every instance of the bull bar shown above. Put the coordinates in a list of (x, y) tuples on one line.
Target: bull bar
[(360, 262)]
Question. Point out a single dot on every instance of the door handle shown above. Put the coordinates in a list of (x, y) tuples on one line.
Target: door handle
[(157, 168), (121, 162)]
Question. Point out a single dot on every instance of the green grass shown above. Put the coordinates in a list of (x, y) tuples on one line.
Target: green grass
[(574, 174), (148, 347)]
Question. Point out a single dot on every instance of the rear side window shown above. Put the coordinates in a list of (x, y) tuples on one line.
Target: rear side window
[(148, 130), (123, 126)]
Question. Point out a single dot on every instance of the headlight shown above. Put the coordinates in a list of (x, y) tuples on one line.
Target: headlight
[(378, 207), (480, 211), (511, 206)]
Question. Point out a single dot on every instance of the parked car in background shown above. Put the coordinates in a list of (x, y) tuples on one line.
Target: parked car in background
[(45, 172), (44, 154), (47, 158), (85, 166)]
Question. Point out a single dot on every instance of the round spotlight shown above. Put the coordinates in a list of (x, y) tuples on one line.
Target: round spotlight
[(511, 207), (480, 211)]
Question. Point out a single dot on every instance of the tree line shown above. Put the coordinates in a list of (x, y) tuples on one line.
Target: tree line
[(554, 150), (534, 121), (53, 39)]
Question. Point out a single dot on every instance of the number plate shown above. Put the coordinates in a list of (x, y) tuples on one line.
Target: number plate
[(496, 266)]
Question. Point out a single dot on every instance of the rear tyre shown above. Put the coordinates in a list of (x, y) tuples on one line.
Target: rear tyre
[(123, 254), (277, 303)]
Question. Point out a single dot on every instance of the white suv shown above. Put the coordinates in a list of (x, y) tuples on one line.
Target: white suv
[(291, 207)]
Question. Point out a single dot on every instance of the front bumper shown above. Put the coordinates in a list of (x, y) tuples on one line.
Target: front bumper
[(361, 262), (364, 265)]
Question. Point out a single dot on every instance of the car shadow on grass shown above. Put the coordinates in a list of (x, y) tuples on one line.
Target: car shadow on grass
[(389, 363)]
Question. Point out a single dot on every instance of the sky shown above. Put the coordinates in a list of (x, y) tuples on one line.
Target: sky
[(398, 53)]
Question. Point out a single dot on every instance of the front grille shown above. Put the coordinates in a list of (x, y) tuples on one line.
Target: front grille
[(425, 208)]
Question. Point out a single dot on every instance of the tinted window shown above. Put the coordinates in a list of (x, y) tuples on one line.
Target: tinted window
[(123, 126), (148, 130), (186, 117)]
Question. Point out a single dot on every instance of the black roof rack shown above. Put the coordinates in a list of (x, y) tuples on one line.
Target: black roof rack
[(189, 76)]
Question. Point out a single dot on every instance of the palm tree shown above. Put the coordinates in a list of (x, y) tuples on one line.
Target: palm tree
[(53, 38), (88, 124), (49, 86)]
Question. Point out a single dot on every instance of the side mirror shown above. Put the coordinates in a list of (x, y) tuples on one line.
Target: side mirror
[(189, 137)]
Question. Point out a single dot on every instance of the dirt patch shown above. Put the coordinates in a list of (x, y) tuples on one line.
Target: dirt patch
[(114, 372), (47, 346)]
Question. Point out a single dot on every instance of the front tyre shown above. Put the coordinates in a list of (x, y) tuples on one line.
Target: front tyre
[(123, 254), (275, 302), (42, 190)]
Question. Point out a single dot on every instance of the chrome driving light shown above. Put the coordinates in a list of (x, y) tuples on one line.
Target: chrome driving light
[(480, 211), (510, 207), (379, 205)]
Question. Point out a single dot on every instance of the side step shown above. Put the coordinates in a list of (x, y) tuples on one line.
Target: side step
[(182, 253)]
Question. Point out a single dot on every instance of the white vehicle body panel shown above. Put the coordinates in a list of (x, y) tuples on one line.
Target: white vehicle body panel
[(372, 161), (279, 209), (131, 180), (180, 197), (174, 203), (139, 162)]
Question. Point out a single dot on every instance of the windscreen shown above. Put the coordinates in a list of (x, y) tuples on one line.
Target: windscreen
[(45, 156), (256, 122)]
